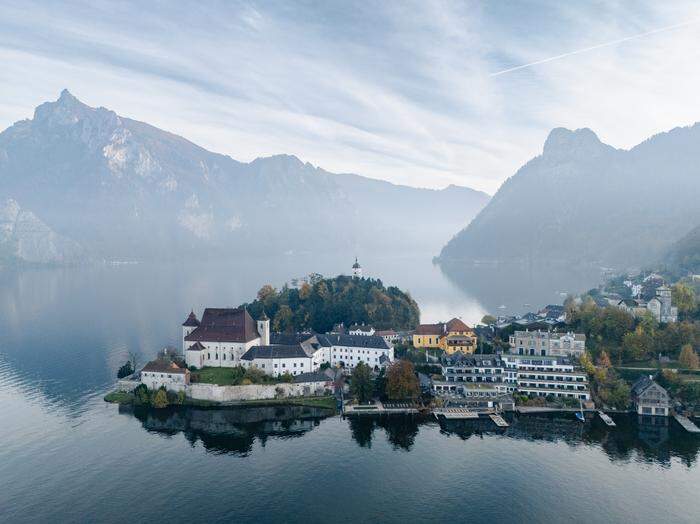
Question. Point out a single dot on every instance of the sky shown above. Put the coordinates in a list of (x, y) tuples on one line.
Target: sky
[(424, 93)]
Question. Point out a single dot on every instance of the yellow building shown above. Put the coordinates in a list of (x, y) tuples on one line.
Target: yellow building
[(452, 336)]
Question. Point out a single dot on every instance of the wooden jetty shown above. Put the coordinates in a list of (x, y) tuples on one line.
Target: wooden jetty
[(609, 421), (455, 413), (687, 424), (499, 421)]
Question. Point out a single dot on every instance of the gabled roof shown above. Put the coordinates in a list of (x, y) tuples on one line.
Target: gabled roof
[(191, 320), (457, 325), (430, 329), (642, 384), (163, 366), (225, 325), (197, 346), (357, 341), (276, 351)]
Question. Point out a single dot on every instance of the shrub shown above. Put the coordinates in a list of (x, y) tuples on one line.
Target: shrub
[(160, 399), (126, 370), (142, 395)]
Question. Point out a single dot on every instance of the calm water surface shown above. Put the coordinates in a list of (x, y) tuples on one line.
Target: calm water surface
[(66, 456)]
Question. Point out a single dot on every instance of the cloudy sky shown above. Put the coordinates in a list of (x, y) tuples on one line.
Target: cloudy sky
[(420, 93)]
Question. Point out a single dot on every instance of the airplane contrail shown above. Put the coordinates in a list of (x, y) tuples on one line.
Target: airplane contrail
[(598, 46)]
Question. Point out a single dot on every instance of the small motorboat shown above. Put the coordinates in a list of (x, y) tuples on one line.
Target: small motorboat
[(579, 414)]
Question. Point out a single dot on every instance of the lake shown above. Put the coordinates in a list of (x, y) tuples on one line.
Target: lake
[(67, 456)]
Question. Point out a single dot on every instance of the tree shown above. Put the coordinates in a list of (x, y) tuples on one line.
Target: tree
[(683, 297), (401, 381), (488, 320), (142, 395), (361, 384), (689, 358), (125, 370), (283, 319), (160, 399), (604, 360)]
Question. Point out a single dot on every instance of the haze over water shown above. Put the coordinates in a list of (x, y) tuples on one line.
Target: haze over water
[(66, 455)]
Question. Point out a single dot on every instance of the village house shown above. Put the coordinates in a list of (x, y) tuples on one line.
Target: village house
[(649, 398), (660, 306), (546, 343), (230, 337), (164, 373), (451, 337)]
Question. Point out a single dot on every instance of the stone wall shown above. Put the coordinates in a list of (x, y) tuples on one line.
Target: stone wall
[(255, 391)]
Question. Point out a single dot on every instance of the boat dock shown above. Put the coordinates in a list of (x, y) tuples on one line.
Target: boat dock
[(499, 421), (606, 418), (381, 408), (687, 424), (455, 413)]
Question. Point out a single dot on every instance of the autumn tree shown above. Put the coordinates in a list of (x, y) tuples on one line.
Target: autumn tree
[(401, 381), (283, 319), (160, 399), (361, 384), (683, 298), (689, 358), (604, 360), (488, 320)]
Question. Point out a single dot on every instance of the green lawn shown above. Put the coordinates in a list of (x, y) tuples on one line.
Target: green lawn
[(231, 376), (119, 397)]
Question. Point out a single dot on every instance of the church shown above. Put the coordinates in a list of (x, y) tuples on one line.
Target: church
[(228, 337)]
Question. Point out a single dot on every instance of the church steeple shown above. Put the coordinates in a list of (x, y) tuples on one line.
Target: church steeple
[(356, 269)]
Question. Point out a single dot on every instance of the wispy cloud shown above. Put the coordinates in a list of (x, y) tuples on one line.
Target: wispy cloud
[(404, 92)]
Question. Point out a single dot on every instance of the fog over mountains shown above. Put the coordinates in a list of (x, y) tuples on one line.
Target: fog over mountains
[(110, 187), (585, 202)]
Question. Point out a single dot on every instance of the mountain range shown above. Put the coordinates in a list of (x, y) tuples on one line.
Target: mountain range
[(111, 187), (584, 202)]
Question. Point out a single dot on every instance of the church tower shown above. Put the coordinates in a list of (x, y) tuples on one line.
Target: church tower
[(188, 326), (264, 329), (356, 269)]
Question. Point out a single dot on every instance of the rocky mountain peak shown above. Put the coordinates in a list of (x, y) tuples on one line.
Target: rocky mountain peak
[(565, 142), (68, 110)]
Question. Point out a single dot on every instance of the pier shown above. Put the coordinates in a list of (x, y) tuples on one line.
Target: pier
[(455, 413), (686, 423), (499, 421), (606, 418)]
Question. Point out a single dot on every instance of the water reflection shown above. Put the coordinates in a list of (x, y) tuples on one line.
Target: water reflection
[(235, 430), (519, 287), (650, 439), (232, 430)]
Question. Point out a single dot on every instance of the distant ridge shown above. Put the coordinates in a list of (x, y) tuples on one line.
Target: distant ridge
[(585, 202), (125, 189)]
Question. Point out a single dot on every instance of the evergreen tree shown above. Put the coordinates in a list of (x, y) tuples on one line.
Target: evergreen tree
[(362, 383)]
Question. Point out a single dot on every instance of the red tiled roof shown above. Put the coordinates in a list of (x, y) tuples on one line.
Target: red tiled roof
[(457, 325), (163, 366), (430, 329), (225, 325)]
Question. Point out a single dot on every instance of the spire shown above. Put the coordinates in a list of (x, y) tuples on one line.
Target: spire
[(264, 315), (191, 320)]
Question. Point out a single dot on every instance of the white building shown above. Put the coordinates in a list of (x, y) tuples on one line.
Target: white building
[(163, 373), (547, 343), (361, 329), (222, 337), (661, 305), (230, 337), (495, 375), (544, 376)]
